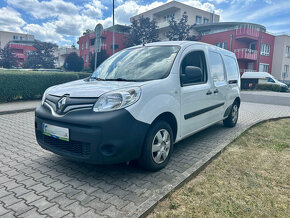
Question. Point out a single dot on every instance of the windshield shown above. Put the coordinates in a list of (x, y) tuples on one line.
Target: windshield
[(138, 64)]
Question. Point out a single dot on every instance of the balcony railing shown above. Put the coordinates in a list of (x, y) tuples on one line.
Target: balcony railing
[(162, 24), (246, 54), (247, 33)]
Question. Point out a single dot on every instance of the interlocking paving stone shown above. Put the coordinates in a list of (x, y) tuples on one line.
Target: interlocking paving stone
[(36, 183)]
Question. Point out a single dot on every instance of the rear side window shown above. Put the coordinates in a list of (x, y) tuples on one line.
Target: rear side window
[(231, 68), (216, 67)]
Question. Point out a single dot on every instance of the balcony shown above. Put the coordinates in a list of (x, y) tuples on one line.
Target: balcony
[(246, 54), (162, 24), (19, 56), (247, 33)]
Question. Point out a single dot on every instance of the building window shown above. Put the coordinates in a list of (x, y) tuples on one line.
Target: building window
[(15, 37), (86, 46), (288, 51), (264, 68), (222, 45), (265, 49), (205, 20), (116, 46), (167, 17), (198, 20), (86, 58), (92, 42), (286, 68), (82, 46)]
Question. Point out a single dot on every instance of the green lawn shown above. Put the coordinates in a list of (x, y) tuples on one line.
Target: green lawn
[(251, 178)]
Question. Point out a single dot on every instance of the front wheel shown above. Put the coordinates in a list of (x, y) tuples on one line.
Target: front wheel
[(232, 119), (158, 147)]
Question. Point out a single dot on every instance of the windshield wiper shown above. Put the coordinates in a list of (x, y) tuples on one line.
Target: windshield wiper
[(96, 78), (121, 79)]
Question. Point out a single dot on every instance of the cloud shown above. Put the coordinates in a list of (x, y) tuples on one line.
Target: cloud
[(10, 20), (94, 9), (45, 9)]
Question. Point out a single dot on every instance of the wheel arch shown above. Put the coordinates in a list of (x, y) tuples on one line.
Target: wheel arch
[(170, 119)]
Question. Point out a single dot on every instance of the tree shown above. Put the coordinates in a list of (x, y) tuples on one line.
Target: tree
[(73, 62), (87, 32), (7, 58), (143, 30), (179, 30), (42, 57), (102, 56)]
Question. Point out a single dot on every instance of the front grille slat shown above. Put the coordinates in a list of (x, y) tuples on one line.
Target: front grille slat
[(73, 147)]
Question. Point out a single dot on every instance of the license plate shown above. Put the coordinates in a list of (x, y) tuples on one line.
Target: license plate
[(55, 131)]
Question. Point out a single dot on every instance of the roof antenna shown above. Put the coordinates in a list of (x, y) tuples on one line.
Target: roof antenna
[(143, 41)]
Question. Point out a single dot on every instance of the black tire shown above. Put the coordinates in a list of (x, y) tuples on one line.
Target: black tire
[(232, 119), (148, 158)]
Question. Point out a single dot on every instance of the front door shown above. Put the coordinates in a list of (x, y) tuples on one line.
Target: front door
[(196, 97)]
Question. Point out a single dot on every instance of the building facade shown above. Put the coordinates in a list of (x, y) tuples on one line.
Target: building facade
[(61, 53), (87, 42), (281, 58), (21, 50), (6, 37), (253, 47), (163, 13)]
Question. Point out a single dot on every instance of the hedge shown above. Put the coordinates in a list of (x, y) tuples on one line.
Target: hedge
[(271, 87), (29, 85)]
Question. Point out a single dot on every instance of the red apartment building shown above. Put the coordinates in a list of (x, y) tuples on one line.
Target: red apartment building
[(21, 49), (86, 42), (250, 42)]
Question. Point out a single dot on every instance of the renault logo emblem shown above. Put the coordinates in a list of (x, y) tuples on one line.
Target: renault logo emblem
[(61, 103)]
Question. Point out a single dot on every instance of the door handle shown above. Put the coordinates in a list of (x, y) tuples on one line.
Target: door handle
[(215, 91), (209, 92)]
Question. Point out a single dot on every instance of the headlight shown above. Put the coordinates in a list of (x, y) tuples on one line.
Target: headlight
[(45, 94), (117, 99)]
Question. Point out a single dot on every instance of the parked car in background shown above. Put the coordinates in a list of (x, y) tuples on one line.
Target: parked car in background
[(139, 102), (250, 79)]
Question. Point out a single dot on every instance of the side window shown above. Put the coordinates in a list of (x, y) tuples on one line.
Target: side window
[(195, 59), (231, 68), (216, 67), (270, 80)]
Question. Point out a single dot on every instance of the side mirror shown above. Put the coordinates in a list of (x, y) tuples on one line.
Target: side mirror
[(191, 75)]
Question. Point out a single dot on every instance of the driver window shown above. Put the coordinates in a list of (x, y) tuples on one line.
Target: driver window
[(195, 59), (270, 80)]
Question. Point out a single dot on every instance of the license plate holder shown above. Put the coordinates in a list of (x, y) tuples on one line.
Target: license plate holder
[(55, 131)]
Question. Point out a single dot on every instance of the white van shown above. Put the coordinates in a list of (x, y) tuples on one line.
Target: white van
[(139, 102), (262, 78)]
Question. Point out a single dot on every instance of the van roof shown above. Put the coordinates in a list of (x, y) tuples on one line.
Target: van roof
[(256, 75), (188, 43)]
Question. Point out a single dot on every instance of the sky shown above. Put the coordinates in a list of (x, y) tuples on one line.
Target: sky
[(64, 21)]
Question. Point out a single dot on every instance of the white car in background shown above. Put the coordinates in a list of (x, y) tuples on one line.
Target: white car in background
[(264, 78)]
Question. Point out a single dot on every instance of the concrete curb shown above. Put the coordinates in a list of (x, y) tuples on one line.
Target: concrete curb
[(190, 173), (17, 111)]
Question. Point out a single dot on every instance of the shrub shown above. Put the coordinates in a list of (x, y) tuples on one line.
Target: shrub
[(73, 62), (270, 87), (28, 85)]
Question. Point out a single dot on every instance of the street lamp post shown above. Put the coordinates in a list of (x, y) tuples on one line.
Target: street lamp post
[(113, 26)]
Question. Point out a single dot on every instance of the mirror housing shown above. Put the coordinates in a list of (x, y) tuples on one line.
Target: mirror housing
[(191, 75)]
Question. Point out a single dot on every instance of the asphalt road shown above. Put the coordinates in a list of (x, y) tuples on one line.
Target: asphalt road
[(266, 98)]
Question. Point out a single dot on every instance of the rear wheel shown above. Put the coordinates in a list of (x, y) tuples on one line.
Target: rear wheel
[(232, 119), (158, 147)]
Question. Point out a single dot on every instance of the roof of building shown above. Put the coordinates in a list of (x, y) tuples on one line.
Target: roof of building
[(173, 3), (201, 27)]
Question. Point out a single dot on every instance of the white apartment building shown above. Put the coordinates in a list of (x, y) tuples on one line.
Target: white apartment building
[(281, 58), (61, 53), (163, 13), (6, 37)]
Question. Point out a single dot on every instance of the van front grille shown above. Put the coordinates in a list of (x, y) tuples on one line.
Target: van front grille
[(73, 147)]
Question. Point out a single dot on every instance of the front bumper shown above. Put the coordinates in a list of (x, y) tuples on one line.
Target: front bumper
[(98, 138)]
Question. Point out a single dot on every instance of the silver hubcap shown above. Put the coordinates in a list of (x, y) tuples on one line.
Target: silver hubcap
[(235, 112), (161, 146)]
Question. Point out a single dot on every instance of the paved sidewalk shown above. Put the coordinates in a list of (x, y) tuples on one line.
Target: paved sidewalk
[(19, 106), (36, 183)]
